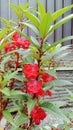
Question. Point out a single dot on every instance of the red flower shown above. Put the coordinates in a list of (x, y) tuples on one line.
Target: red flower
[(31, 71), (34, 86), (37, 114), (15, 36), (23, 89), (47, 78), (25, 44), (16, 39), (9, 48), (40, 93), (18, 42), (48, 92), (57, 129)]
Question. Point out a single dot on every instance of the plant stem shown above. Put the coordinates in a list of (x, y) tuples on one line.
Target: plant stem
[(40, 54)]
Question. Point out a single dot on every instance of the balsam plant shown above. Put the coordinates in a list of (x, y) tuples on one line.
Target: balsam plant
[(31, 61)]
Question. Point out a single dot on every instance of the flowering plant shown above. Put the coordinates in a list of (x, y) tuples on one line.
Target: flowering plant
[(31, 61)]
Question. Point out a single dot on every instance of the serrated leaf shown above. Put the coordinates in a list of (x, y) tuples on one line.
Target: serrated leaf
[(9, 117), (70, 93), (62, 82), (57, 83), (53, 109), (19, 77), (35, 56), (2, 43), (45, 24), (33, 49), (5, 91), (21, 119), (34, 29), (59, 57), (59, 42), (63, 40), (41, 9), (35, 42), (60, 12), (17, 9), (16, 92), (70, 97), (26, 5), (5, 60), (10, 75), (3, 32), (32, 17), (24, 53), (60, 103), (30, 105), (13, 109), (58, 24), (56, 52)]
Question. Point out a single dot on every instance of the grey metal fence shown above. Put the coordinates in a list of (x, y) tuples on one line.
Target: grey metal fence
[(52, 5)]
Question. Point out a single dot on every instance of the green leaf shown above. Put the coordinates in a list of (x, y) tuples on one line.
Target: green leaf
[(5, 91), (3, 32), (4, 21), (41, 9), (17, 9), (53, 109), (58, 24), (45, 24), (70, 97), (60, 103), (16, 92), (17, 13), (9, 75), (21, 120), (35, 56), (19, 77), (31, 26), (61, 126), (62, 82), (62, 40), (32, 17), (33, 49), (52, 72), (7, 23), (26, 5), (30, 105), (56, 52), (59, 12), (59, 42), (24, 53), (3, 43), (71, 115), (57, 83), (9, 117), (70, 93), (29, 60), (35, 42), (4, 61), (45, 46), (61, 56), (13, 109)]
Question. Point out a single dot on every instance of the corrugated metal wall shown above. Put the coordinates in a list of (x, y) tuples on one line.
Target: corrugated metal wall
[(51, 5)]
